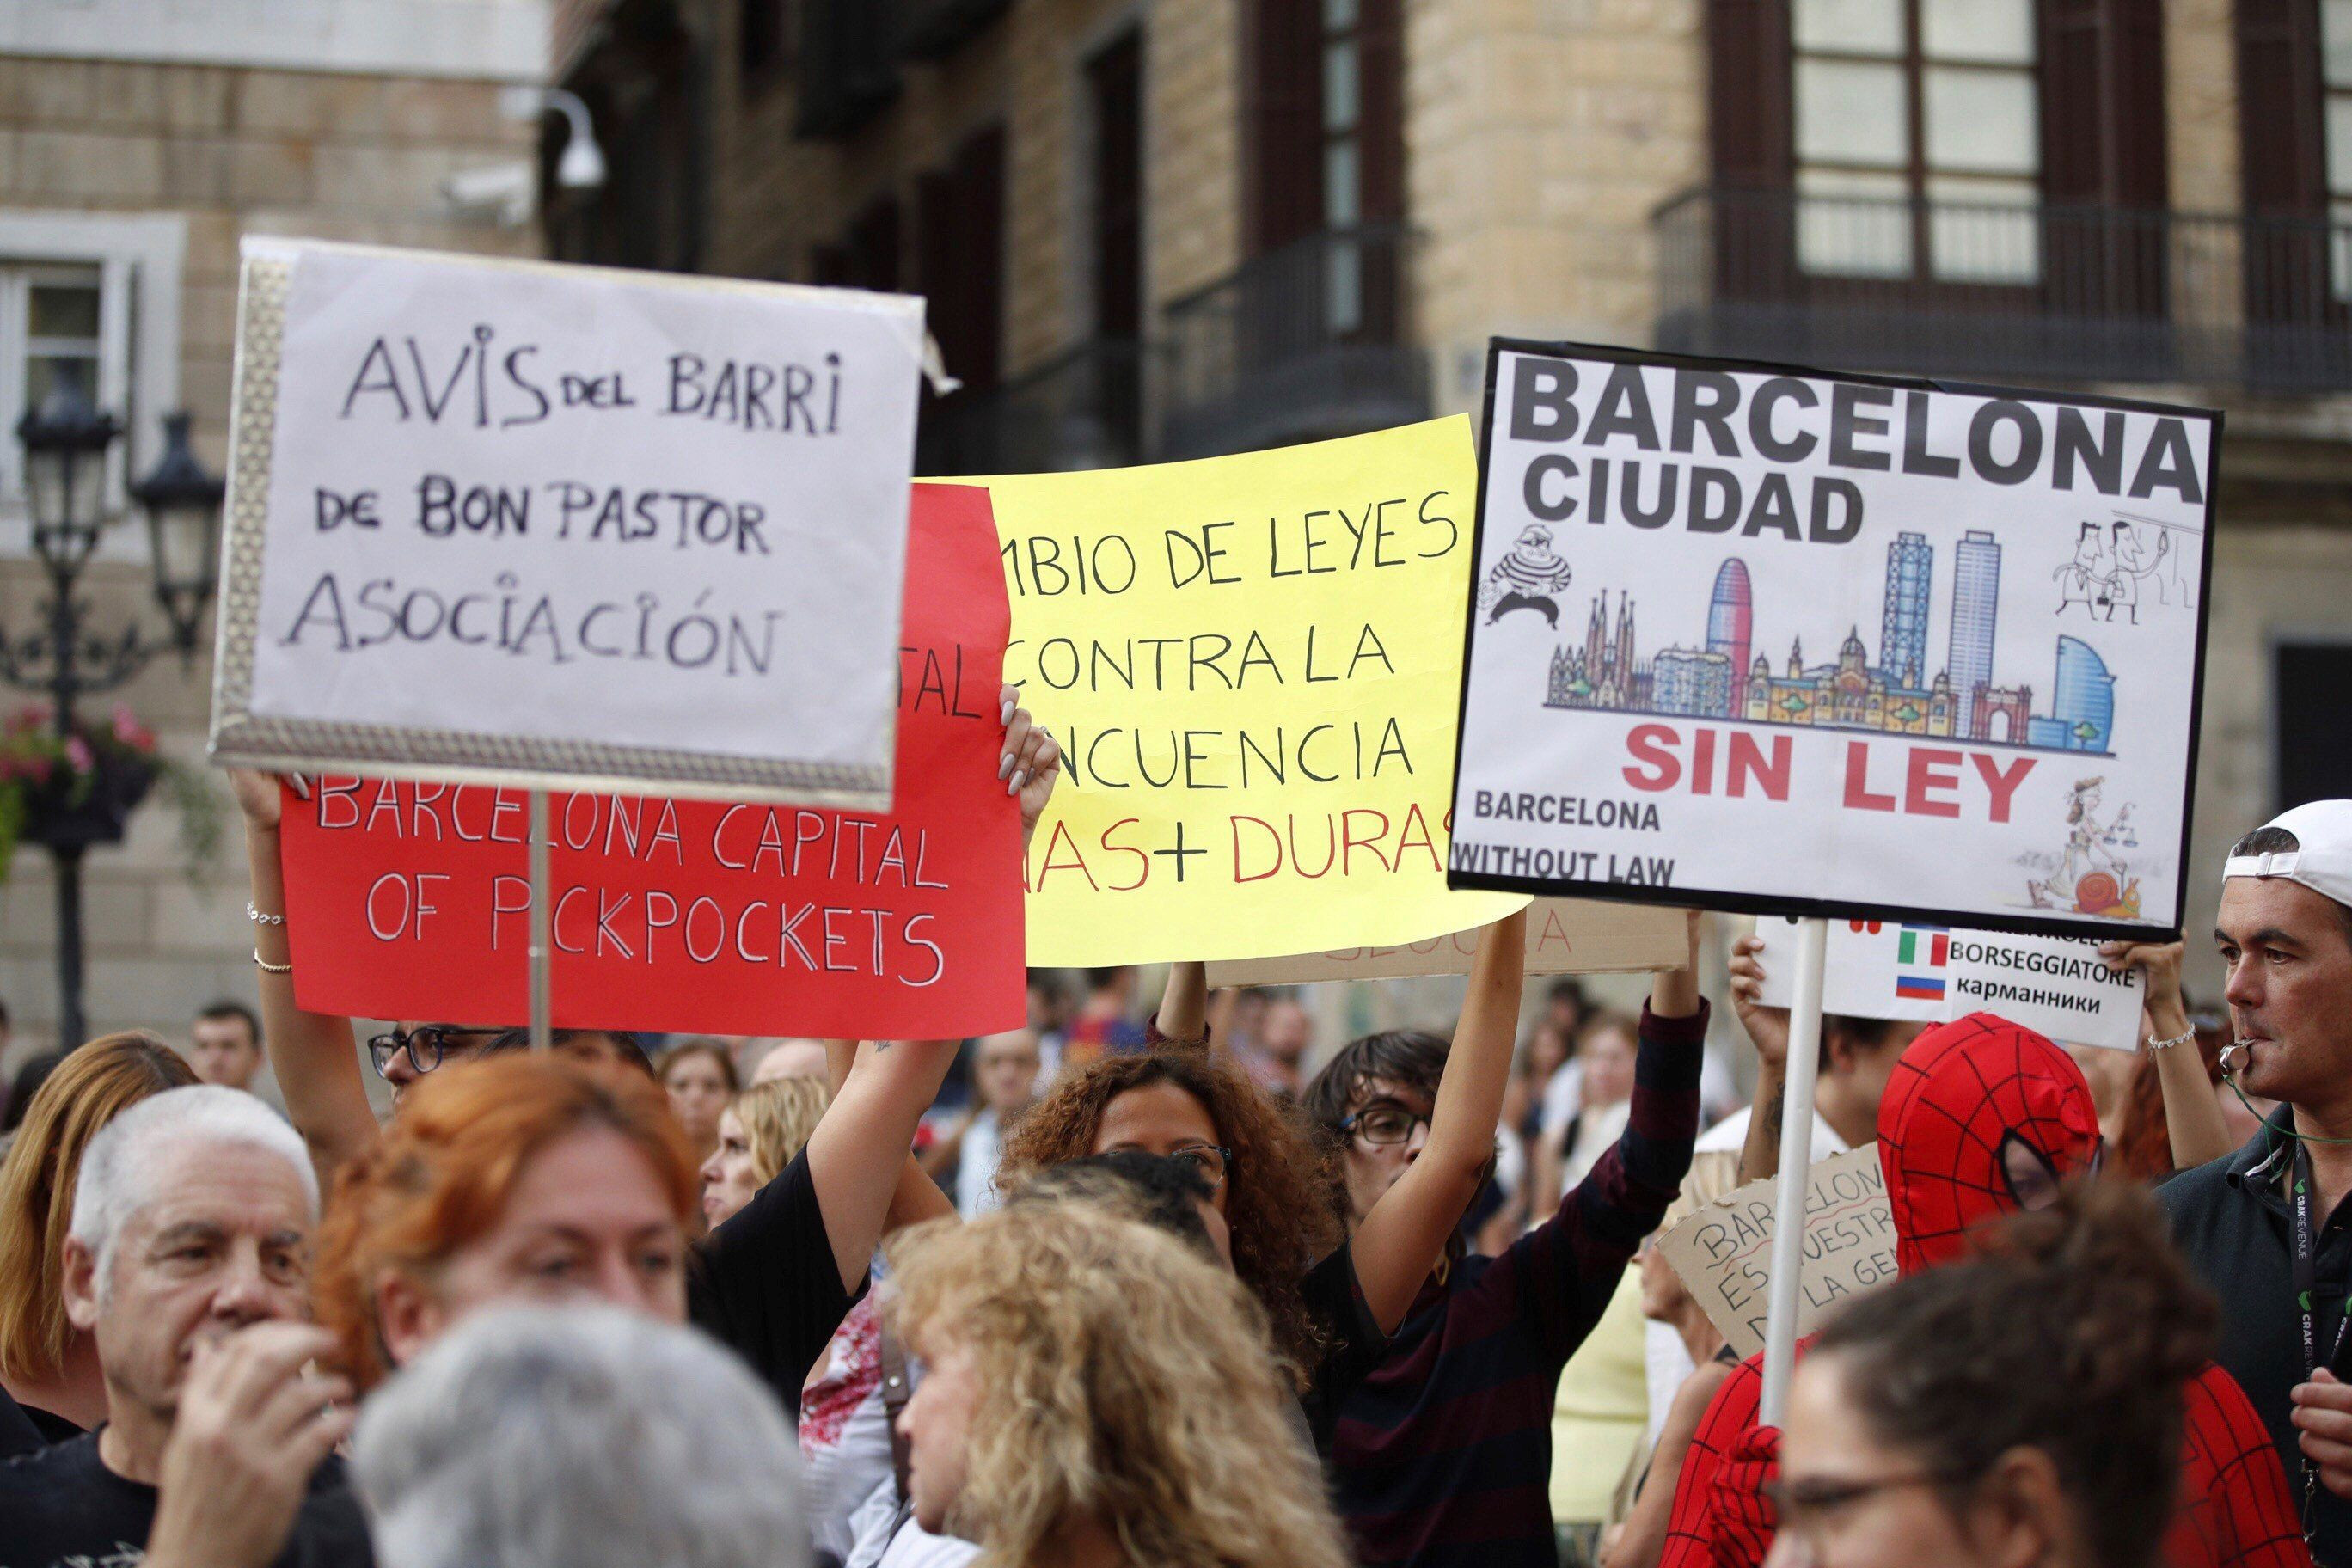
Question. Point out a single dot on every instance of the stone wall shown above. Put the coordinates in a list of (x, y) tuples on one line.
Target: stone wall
[(229, 151)]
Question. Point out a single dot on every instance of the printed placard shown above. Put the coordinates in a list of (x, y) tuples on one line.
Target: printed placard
[(1253, 683), (567, 526), (1565, 936), (1803, 643), (1887, 969), (413, 900), (1723, 1253)]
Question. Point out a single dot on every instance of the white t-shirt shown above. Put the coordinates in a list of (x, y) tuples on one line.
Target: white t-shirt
[(1563, 1095), (984, 1147), (1730, 1135)]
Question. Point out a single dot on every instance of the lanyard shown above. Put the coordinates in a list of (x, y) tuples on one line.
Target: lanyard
[(2306, 1284)]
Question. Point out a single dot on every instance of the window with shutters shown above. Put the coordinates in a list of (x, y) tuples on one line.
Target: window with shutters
[(1916, 138), (2313, 755)]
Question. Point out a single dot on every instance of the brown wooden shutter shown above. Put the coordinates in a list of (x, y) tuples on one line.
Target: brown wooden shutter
[(1285, 122), (1114, 79), (1380, 108), (2279, 108), (1750, 91)]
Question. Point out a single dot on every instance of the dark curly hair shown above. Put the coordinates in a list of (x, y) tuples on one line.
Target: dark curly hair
[(1277, 1202)]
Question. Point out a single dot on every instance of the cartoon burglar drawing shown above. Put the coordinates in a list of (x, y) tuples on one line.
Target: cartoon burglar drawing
[(1527, 578)]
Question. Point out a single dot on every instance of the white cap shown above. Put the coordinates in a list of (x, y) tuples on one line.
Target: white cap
[(2323, 860)]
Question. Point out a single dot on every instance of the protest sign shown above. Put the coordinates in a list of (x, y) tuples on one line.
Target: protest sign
[(1719, 1253), (1886, 969), (565, 526), (410, 900), (1812, 644), (1565, 936), (1251, 669)]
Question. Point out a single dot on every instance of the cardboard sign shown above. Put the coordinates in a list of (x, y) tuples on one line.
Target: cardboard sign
[(413, 900), (1250, 667), (1565, 936), (1885, 969), (1812, 644), (1723, 1253), (518, 523)]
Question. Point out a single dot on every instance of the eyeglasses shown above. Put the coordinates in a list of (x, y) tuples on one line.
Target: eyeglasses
[(1382, 1126), (425, 1047), (1210, 1162), (1805, 1507)]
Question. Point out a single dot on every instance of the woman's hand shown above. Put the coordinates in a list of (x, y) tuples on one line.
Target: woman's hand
[(257, 796), (1031, 761)]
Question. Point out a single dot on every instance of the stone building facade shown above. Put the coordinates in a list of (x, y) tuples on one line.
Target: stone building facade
[(140, 141), (1156, 230)]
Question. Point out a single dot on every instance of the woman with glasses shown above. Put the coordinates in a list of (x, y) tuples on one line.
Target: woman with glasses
[(1444, 1449), (2021, 1409), (1331, 1298)]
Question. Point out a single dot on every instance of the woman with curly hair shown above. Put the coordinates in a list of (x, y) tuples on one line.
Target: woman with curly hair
[(1098, 1395), (1331, 1298), (759, 1132)]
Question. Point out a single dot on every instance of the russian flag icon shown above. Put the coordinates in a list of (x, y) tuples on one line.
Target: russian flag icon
[(1920, 987)]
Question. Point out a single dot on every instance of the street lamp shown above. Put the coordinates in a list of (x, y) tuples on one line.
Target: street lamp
[(183, 504), (65, 441)]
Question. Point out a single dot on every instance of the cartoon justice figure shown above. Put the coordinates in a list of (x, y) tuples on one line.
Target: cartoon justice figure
[(1527, 578), (2090, 878)]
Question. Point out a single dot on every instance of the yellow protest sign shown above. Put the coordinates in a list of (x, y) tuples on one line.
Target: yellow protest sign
[(1253, 665)]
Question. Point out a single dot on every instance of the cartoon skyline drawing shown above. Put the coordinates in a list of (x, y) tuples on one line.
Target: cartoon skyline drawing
[(1730, 677)]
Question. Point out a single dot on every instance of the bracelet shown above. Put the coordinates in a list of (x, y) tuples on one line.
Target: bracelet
[(268, 968), (2179, 1039), (258, 917)]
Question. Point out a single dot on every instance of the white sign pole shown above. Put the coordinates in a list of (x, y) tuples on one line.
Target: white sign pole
[(1795, 1163), (543, 919)]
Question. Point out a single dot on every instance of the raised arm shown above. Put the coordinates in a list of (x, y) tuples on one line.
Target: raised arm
[(1404, 1237), (2192, 1114), (314, 1056), (1184, 1017), (860, 1147), (1768, 1030)]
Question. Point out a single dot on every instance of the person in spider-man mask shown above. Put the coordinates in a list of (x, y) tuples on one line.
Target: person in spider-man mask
[(1983, 1117)]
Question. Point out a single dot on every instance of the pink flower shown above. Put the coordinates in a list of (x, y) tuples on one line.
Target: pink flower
[(79, 753)]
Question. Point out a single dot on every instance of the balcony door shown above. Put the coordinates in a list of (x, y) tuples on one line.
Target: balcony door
[(2294, 74), (1997, 159)]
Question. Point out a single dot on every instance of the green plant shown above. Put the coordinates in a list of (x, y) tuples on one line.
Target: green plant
[(109, 764)]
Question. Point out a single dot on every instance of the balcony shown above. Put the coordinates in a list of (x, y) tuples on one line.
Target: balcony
[(1082, 409), (2037, 293), (933, 29), (1309, 340), (847, 74)]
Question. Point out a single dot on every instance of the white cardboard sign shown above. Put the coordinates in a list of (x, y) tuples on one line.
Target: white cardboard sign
[(566, 526), (1723, 1254), (2058, 986), (1803, 643)]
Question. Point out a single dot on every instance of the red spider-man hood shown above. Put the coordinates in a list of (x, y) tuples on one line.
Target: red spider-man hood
[(1974, 1108)]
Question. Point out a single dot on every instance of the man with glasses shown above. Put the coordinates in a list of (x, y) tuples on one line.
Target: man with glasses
[(411, 1051), (1443, 1450)]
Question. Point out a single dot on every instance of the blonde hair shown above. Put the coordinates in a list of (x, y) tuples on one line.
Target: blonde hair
[(1121, 1376), (778, 1118), (91, 1088)]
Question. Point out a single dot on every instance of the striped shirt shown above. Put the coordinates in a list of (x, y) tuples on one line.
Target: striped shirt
[(1443, 1454)]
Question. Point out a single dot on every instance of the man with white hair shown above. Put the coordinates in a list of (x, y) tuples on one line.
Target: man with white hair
[(188, 1262), (2269, 1228), (579, 1436)]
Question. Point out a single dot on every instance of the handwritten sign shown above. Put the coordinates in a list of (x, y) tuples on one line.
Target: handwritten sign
[(1723, 1254), (1824, 645), (1565, 936), (1248, 667), (1885, 969), (413, 900), (520, 522)]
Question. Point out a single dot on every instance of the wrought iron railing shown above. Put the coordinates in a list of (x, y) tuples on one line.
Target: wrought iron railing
[(1082, 409), (1989, 290), (1313, 338)]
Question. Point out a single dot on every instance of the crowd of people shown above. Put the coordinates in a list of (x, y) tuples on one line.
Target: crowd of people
[(1163, 1291)]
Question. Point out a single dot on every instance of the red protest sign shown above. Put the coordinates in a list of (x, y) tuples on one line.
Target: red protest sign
[(409, 900)]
